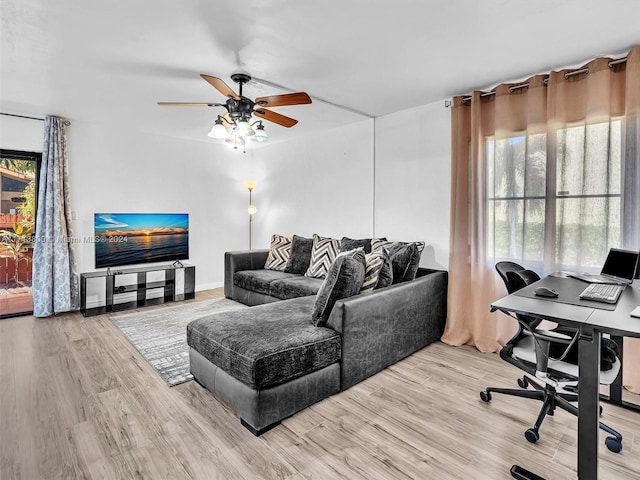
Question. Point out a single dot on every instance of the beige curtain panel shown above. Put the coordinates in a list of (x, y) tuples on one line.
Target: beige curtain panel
[(545, 173)]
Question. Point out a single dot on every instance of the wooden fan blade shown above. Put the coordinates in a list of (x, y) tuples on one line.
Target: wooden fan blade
[(219, 85), (299, 98), (275, 117), (185, 104)]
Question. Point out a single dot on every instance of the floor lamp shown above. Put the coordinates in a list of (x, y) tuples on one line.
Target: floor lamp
[(251, 209)]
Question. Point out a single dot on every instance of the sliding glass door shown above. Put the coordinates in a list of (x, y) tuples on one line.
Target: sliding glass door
[(18, 196)]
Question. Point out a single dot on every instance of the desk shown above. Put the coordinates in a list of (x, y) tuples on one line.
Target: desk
[(592, 323)]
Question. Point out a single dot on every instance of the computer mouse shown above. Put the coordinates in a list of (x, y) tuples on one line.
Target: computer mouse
[(546, 292)]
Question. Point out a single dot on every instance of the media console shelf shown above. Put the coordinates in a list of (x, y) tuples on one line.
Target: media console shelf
[(123, 289)]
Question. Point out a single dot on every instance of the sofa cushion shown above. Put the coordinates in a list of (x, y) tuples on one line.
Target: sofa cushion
[(293, 287), (347, 244), (258, 280), (344, 279), (266, 345), (300, 256), (323, 254), (378, 271), (279, 253)]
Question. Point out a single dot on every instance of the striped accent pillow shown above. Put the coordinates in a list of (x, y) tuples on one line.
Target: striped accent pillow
[(279, 253), (323, 253), (378, 243), (378, 272)]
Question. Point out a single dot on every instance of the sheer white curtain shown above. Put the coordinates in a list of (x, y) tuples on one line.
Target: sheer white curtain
[(54, 284), (544, 173)]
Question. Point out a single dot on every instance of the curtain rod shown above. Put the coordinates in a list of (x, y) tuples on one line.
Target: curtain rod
[(66, 122), (546, 80)]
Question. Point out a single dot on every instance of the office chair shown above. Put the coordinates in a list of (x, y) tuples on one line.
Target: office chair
[(529, 350)]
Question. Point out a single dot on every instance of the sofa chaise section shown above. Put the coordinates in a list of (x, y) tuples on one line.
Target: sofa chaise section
[(267, 362)]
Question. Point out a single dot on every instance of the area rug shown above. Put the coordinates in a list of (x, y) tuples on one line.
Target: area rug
[(160, 335)]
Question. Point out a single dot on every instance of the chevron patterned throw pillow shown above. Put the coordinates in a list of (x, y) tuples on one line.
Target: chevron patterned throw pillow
[(279, 253), (323, 254)]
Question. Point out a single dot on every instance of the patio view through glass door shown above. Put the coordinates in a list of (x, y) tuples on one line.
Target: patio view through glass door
[(18, 193)]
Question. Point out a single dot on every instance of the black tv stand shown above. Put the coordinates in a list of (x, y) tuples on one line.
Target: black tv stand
[(115, 290)]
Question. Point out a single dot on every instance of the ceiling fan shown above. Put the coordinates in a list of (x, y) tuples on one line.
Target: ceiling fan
[(235, 125)]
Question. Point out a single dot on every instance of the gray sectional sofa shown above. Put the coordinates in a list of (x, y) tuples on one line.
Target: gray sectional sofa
[(270, 361)]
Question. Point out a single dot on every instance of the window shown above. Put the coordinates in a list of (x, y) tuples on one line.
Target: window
[(554, 203)]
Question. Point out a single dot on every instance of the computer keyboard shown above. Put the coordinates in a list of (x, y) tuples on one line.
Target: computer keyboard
[(602, 293)]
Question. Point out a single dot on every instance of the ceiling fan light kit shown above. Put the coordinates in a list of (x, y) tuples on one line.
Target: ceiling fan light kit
[(219, 131), (238, 124), (260, 135)]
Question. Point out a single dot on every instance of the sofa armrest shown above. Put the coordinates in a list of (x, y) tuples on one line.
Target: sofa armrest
[(241, 260), (383, 327)]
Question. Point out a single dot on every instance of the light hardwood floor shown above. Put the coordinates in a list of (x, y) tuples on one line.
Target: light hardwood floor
[(78, 401)]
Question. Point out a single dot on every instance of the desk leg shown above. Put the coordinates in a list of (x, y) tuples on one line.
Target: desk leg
[(588, 402)]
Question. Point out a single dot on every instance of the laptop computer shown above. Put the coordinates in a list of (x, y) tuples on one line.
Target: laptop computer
[(619, 268)]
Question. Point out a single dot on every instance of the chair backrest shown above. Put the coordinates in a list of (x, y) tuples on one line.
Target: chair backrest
[(521, 278), (503, 268), (516, 277)]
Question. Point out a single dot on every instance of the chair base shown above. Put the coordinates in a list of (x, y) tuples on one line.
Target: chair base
[(550, 400), (523, 474)]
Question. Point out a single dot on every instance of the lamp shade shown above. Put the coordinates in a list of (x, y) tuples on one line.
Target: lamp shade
[(261, 134), (243, 129), (235, 142), (250, 184), (218, 131)]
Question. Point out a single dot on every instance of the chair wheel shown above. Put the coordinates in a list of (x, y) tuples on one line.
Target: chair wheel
[(523, 382), (613, 444), (485, 396), (533, 436)]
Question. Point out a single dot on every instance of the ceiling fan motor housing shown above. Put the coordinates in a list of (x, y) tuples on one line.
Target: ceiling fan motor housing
[(240, 109)]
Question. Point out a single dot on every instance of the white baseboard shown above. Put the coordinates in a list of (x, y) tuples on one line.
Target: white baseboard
[(208, 286)]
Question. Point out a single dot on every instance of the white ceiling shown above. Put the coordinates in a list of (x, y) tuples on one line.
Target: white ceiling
[(110, 61)]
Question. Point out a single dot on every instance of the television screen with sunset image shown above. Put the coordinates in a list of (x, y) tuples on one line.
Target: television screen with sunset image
[(132, 238)]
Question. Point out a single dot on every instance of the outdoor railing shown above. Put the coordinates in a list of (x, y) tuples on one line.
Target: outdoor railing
[(8, 270)]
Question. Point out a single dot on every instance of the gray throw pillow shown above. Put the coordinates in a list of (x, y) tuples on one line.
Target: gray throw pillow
[(405, 259), (300, 256), (347, 244), (414, 264), (344, 279)]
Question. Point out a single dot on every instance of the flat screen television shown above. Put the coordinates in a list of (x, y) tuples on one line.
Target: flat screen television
[(133, 238)]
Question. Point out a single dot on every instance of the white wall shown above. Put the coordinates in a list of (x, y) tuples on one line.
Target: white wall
[(21, 134), (325, 184), (413, 177), (316, 184), (120, 171)]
